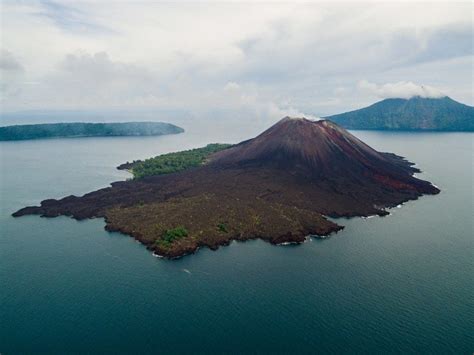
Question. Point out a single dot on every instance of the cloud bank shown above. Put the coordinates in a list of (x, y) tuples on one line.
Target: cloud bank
[(262, 60), (401, 90)]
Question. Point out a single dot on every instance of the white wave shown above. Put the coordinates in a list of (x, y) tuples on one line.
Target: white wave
[(288, 243)]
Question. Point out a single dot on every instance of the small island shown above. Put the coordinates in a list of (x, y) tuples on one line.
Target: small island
[(279, 186), (84, 129)]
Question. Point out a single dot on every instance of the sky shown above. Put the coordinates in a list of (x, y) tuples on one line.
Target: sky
[(265, 59)]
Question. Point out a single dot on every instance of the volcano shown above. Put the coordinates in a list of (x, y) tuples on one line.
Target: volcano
[(279, 186), (320, 149)]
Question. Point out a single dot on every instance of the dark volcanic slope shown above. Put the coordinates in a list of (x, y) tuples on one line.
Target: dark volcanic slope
[(277, 186), (417, 113), (320, 149)]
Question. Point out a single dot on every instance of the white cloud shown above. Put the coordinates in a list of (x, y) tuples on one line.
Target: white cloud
[(231, 86), (401, 89)]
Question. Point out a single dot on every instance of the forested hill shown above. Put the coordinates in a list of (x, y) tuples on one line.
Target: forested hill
[(415, 114), (82, 129)]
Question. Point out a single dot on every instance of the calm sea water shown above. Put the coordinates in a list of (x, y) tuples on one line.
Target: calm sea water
[(398, 284)]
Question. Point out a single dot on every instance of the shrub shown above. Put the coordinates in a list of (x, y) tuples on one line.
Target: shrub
[(222, 227), (170, 235)]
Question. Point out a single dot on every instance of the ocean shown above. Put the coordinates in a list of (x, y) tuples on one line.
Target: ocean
[(403, 283)]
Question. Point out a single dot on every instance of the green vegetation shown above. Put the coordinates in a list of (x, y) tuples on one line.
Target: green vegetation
[(82, 129), (173, 162), (223, 227), (171, 235)]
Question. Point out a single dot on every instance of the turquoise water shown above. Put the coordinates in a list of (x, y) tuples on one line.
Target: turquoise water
[(398, 284)]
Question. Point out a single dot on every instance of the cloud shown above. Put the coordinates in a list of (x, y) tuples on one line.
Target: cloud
[(267, 58), (8, 61), (69, 18), (85, 80), (248, 101), (11, 74), (401, 90), (231, 86), (95, 80)]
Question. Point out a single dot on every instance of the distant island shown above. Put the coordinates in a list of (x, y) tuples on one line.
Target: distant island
[(82, 129), (279, 187), (415, 114)]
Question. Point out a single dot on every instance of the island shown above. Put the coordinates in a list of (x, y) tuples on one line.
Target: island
[(279, 186), (415, 114), (85, 129)]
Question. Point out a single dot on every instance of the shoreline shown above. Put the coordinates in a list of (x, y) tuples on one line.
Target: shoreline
[(289, 242)]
